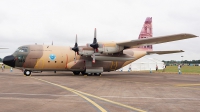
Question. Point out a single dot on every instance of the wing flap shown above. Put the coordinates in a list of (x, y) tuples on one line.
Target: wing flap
[(164, 52), (114, 58), (156, 40)]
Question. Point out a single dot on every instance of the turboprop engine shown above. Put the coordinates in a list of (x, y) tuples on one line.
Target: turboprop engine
[(96, 48), (104, 48)]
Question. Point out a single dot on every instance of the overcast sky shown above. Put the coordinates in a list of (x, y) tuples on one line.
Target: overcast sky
[(25, 22)]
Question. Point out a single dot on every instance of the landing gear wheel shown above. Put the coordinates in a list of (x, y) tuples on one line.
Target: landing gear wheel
[(83, 73), (97, 74), (27, 72), (76, 72), (89, 74)]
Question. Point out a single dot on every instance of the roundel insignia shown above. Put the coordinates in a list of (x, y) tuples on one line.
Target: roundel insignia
[(52, 56)]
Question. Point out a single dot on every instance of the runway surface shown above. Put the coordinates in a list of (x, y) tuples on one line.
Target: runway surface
[(111, 92)]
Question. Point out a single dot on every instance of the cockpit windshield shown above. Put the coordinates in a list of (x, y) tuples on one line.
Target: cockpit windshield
[(23, 49)]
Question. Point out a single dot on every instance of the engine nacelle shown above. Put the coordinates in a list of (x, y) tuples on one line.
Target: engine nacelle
[(86, 51), (135, 52), (109, 48)]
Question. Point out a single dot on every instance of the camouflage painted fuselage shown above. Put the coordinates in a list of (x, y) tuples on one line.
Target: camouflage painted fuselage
[(61, 58)]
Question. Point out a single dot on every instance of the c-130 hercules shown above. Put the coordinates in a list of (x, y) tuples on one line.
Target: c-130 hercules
[(92, 59)]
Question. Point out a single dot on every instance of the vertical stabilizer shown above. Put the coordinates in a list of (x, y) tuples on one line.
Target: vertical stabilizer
[(146, 32)]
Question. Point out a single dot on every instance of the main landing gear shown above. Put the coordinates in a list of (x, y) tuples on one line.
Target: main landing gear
[(27, 72), (76, 72), (88, 74), (95, 74)]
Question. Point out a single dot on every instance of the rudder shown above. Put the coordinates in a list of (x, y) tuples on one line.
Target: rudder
[(146, 32)]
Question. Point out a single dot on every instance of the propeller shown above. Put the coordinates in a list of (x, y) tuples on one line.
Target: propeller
[(75, 49), (94, 45)]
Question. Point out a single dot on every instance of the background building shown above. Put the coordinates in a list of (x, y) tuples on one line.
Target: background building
[(144, 63)]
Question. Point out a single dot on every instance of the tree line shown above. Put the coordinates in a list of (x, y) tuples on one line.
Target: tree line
[(185, 62)]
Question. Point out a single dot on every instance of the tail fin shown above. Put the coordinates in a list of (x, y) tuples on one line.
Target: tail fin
[(146, 32)]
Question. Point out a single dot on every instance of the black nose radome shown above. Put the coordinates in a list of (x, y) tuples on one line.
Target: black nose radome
[(9, 60)]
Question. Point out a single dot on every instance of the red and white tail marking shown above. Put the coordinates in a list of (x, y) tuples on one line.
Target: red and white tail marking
[(146, 32)]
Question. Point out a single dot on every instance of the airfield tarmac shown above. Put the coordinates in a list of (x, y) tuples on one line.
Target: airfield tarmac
[(112, 92)]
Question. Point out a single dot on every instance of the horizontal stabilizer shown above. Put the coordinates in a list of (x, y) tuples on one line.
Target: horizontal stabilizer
[(156, 40), (164, 52)]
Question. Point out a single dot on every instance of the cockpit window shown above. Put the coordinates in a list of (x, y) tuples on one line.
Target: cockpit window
[(22, 50)]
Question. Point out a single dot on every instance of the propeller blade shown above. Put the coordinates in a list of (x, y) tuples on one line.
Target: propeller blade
[(75, 58), (76, 38), (95, 36), (75, 49), (94, 45)]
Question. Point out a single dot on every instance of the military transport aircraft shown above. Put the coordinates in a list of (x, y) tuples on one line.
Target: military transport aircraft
[(91, 59)]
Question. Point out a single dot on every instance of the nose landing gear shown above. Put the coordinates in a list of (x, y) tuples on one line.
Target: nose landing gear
[(27, 72)]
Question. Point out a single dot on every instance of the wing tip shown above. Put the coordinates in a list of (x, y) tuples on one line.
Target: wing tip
[(190, 35)]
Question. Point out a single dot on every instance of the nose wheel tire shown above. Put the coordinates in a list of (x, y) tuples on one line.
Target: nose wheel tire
[(27, 72)]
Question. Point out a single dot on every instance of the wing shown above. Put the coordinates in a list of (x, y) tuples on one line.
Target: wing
[(164, 52), (156, 40)]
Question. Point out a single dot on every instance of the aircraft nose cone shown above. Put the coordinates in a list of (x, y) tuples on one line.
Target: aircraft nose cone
[(9, 60)]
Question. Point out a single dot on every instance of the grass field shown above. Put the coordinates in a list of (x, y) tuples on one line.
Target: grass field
[(6, 67), (184, 69)]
